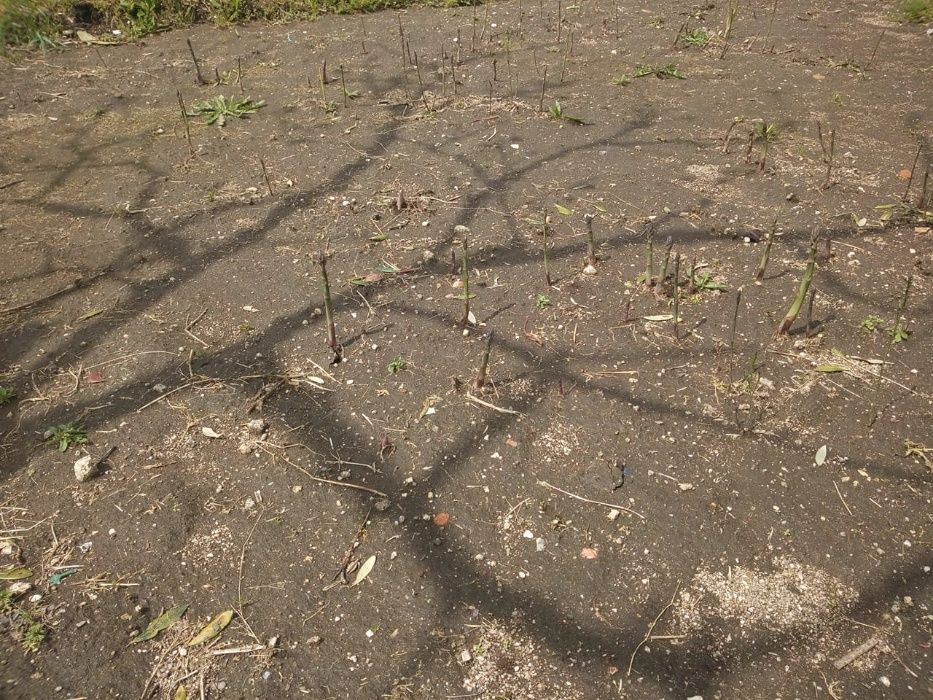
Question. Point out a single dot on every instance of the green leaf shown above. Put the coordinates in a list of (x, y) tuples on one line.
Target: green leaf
[(181, 693), (15, 573), (212, 629), (830, 369), (563, 210), (161, 623), (364, 570)]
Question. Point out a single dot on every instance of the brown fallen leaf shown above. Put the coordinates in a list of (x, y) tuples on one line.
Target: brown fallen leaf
[(589, 553), (819, 76), (212, 628), (904, 174), (441, 519)]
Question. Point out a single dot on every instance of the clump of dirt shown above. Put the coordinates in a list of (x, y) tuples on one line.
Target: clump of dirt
[(506, 663)]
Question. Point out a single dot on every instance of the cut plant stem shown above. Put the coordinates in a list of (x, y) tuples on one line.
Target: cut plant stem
[(547, 268), (480, 380), (809, 328), (735, 321), (649, 267), (802, 290), (765, 254), (543, 88), (197, 66), (184, 117), (874, 51), (590, 240), (910, 179), (676, 296), (466, 282), (828, 152), (265, 175), (668, 246), (343, 84), (329, 310)]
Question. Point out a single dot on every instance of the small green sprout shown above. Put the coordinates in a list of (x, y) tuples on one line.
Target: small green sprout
[(217, 110), (872, 323), (541, 301), (7, 395), (66, 435), (397, 365), (555, 111), (696, 37)]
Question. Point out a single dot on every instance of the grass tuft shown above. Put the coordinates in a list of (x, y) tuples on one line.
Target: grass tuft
[(916, 11)]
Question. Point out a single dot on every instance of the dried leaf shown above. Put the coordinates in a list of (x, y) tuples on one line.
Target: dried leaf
[(15, 573), (820, 457), (589, 553), (212, 628), (364, 570), (94, 377), (90, 314), (471, 318), (209, 432), (181, 693), (441, 519), (162, 622), (563, 210), (829, 369), (659, 317)]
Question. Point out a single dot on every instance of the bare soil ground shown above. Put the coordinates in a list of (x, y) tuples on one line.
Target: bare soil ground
[(623, 513)]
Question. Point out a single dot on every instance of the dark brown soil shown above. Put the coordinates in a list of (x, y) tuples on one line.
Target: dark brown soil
[(199, 308)]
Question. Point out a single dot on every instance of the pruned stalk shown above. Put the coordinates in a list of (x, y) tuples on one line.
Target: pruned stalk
[(802, 290), (676, 296), (480, 380), (766, 253), (329, 309), (547, 268), (668, 246), (649, 266), (808, 331), (590, 240), (466, 282)]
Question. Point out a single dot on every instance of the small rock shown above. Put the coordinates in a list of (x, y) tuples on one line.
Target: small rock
[(257, 426), (589, 270), (246, 448), (428, 257), (539, 544), (382, 505), (85, 469), (465, 656), (461, 230), (315, 640), (885, 681), (614, 514), (686, 487), (695, 697), (209, 432)]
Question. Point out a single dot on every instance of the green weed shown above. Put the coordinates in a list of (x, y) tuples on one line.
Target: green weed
[(872, 323), (397, 365), (217, 110), (542, 301), (696, 37), (916, 11), (66, 435), (29, 23), (555, 111), (668, 70), (7, 395)]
